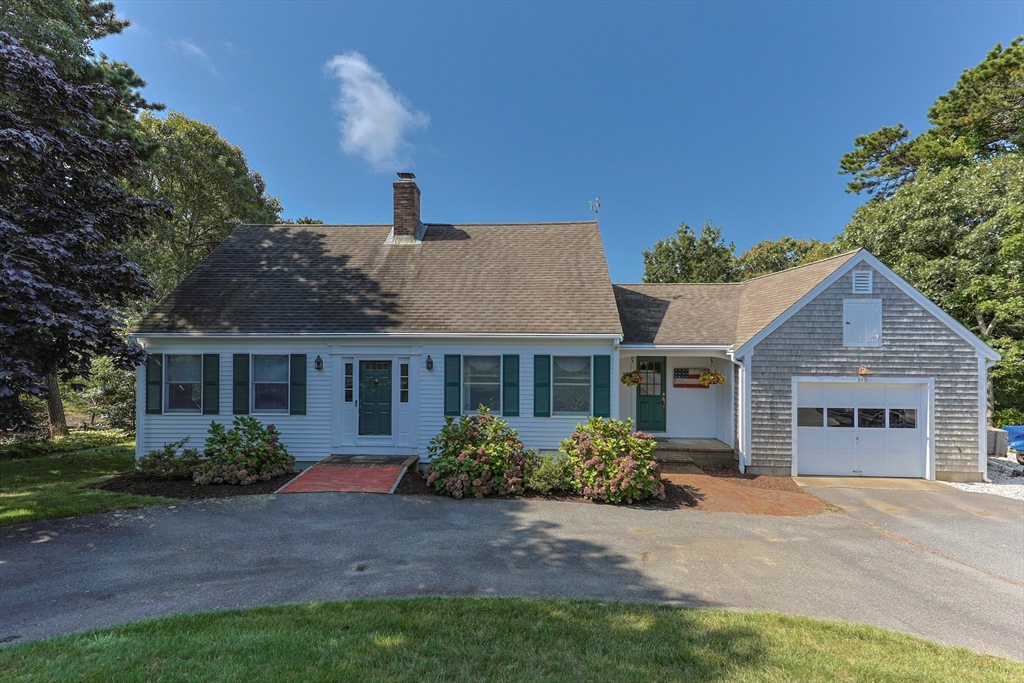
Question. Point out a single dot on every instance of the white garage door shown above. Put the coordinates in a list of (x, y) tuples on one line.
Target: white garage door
[(861, 429)]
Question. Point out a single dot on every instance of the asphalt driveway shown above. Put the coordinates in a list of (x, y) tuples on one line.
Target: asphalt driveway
[(72, 575)]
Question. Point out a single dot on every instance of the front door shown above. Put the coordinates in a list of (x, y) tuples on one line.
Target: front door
[(375, 398), (650, 395)]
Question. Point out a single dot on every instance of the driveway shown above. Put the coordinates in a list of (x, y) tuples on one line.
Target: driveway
[(71, 575)]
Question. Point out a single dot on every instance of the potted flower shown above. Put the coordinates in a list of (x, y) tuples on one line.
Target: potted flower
[(632, 379), (709, 378)]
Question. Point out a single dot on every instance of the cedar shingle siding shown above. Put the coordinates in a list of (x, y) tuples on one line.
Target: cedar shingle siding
[(914, 344)]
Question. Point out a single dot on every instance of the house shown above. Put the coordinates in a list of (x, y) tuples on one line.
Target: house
[(360, 339)]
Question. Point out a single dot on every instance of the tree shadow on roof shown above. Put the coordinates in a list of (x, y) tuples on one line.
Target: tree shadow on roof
[(442, 232), (641, 315)]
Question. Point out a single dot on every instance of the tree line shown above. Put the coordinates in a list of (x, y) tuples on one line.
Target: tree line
[(105, 205), (945, 211)]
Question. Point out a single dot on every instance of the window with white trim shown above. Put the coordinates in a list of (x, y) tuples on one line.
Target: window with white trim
[(862, 322), (481, 383), (570, 385), (270, 381), (183, 383), (403, 383)]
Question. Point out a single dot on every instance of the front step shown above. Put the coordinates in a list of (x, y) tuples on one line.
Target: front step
[(699, 452)]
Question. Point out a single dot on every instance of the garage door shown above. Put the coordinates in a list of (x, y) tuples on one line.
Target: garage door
[(861, 429)]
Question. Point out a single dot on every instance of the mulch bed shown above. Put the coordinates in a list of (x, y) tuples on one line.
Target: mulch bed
[(753, 480), (676, 497), (185, 489)]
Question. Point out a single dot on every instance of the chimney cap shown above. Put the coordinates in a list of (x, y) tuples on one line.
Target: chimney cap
[(406, 176)]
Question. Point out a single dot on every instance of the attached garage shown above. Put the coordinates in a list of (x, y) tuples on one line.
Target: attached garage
[(868, 428)]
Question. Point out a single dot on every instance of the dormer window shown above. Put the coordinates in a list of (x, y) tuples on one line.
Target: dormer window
[(862, 282)]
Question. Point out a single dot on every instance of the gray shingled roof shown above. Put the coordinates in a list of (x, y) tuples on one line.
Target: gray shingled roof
[(545, 278), (715, 314)]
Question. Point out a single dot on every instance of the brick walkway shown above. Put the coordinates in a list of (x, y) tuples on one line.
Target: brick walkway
[(344, 478)]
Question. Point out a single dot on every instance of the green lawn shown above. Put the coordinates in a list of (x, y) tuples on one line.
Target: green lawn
[(50, 486), (470, 639)]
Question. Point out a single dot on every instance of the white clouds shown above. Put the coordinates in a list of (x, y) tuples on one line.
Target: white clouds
[(190, 49), (374, 117)]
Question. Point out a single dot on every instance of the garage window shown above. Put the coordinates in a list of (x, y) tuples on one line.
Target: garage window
[(840, 417), (903, 418), (810, 417), (871, 418)]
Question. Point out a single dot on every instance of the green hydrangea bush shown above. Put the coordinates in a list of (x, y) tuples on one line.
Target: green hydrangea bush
[(612, 463), (547, 473), (475, 456), (173, 461), (245, 454)]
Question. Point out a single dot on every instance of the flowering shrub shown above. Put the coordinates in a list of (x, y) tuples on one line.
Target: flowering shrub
[(245, 454), (611, 463), (476, 456), (547, 472), (173, 461)]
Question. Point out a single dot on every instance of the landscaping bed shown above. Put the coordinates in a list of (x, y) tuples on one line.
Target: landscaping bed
[(140, 485), (676, 496)]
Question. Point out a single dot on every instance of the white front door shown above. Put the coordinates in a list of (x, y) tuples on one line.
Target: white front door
[(861, 429)]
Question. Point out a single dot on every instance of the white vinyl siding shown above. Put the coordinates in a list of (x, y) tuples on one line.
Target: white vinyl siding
[(862, 322)]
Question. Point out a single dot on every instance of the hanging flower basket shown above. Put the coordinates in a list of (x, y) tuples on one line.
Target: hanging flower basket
[(709, 378), (632, 379)]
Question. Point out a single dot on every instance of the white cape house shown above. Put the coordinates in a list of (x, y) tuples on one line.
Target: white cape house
[(361, 339)]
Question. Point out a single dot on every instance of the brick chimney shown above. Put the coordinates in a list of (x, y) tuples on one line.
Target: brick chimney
[(407, 207)]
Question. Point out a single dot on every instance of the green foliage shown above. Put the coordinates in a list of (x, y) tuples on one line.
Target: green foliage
[(245, 454), (1007, 377), (39, 444), (476, 455), (108, 393), (547, 472), (611, 463), (211, 195), (173, 461), (685, 257), (770, 256), (1008, 417), (982, 117)]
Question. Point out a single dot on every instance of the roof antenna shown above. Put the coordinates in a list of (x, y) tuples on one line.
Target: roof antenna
[(595, 205)]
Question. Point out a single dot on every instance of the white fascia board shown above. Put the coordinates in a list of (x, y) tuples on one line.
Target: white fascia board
[(720, 348), (864, 256)]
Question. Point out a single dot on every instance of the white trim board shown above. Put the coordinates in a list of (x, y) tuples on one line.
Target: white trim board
[(864, 256)]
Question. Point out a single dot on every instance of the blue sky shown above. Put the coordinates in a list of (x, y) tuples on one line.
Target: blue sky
[(522, 112)]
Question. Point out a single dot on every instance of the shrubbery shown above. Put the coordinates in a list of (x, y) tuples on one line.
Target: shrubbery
[(611, 463), (173, 461), (546, 473), (245, 454), (476, 456), (34, 445)]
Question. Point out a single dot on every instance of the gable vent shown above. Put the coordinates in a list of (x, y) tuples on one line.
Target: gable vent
[(862, 282)]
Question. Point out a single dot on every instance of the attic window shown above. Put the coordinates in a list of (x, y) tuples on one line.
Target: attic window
[(862, 282)]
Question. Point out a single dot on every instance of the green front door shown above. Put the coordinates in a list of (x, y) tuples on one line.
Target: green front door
[(374, 398), (650, 395)]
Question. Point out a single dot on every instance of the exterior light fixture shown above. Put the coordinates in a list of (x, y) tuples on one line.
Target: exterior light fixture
[(430, 363), (318, 364)]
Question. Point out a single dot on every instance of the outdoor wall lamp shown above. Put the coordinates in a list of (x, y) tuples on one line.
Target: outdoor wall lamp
[(430, 363), (318, 364)]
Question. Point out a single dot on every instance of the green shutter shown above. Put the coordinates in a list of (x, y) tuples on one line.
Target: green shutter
[(154, 383), (297, 404), (510, 386), (602, 386), (453, 385), (542, 386), (240, 400), (211, 384)]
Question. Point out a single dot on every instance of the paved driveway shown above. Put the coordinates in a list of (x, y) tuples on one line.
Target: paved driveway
[(65, 576)]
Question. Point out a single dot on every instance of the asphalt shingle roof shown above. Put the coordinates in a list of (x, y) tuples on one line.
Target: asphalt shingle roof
[(541, 278), (715, 314)]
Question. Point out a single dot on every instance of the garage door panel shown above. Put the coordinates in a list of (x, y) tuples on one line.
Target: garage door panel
[(870, 429)]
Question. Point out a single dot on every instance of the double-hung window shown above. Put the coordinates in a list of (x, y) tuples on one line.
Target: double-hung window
[(481, 383), (570, 385), (270, 383), (183, 383)]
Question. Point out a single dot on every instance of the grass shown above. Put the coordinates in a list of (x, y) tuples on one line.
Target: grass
[(470, 639), (51, 486), (39, 444)]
